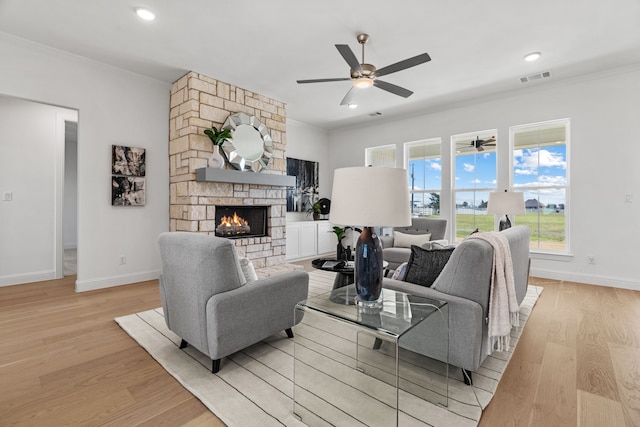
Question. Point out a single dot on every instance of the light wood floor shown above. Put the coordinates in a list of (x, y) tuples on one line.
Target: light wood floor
[(64, 361)]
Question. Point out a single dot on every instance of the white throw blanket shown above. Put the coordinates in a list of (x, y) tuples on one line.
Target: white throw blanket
[(503, 304)]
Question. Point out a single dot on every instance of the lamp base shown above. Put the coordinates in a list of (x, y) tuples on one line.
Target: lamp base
[(368, 268), (504, 223)]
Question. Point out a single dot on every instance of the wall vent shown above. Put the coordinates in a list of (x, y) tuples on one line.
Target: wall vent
[(535, 76)]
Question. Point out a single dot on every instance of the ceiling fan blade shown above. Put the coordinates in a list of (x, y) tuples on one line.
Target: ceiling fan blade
[(402, 65), (396, 90), (349, 56), (348, 97), (338, 79)]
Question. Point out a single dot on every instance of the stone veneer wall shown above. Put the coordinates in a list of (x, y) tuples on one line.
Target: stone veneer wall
[(197, 103)]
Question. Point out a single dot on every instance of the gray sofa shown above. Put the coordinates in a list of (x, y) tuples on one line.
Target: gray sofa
[(395, 255), (465, 283), (209, 303)]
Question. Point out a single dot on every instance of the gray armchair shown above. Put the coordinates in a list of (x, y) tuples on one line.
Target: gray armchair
[(208, 302), (397, 255)]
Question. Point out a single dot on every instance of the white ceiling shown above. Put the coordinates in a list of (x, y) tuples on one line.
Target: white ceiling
[(477, 47)]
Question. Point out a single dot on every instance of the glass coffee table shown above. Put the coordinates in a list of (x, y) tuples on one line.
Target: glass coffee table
[(350, 361)]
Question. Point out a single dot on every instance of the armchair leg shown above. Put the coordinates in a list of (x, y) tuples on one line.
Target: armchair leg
[(289, 332), (183, 344), (215, 366), (466, 375)]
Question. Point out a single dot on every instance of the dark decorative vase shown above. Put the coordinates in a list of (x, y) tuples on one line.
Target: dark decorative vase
[(340, 251), (368, 267)]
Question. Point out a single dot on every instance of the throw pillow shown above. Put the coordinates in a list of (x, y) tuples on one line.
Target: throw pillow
[(400, 272), (404, 240), (248, 270), (425, 265)]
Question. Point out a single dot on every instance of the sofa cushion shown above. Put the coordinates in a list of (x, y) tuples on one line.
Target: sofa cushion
[(425, 265), (404, 240)]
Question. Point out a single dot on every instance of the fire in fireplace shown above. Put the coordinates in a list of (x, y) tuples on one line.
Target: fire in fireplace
[(241, 221), (232, 226)]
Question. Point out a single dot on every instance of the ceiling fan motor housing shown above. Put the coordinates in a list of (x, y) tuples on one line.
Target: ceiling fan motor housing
[(367, 70)]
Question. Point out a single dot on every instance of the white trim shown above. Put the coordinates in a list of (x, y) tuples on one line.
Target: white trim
[(22, 278), (590, 279), (551, 256), (110, 281)]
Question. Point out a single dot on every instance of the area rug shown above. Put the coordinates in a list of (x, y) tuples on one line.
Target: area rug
[(254, 387)]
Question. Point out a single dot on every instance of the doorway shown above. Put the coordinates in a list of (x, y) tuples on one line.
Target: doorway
[(32, 181), (70, 207)]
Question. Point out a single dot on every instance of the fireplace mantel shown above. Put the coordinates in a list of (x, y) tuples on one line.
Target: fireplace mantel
[(238, 177)]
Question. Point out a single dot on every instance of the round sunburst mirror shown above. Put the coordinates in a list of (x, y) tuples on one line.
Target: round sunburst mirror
[(251, 146)]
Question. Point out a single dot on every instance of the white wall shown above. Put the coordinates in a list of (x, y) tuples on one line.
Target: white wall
[(115, 107), (309, 143), (605, 127)]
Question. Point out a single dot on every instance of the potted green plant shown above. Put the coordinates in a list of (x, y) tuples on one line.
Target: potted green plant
[(315, 211), (217, 136), (340, 233)]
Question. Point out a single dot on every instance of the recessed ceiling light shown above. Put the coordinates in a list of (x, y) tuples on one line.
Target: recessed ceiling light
[(145, 14), (353, 106), (532, 56)]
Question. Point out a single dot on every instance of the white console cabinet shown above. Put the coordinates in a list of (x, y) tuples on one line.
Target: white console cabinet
[(306, 239)]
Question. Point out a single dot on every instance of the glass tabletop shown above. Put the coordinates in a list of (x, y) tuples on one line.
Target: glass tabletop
[(398, 313)]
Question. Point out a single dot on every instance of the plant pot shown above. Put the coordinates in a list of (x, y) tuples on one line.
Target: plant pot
[(316, 216), (216, 160)]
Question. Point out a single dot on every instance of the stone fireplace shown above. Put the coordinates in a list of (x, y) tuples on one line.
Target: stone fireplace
[(197, 199)]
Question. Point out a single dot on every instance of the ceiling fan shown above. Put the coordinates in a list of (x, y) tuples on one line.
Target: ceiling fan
[(365, 75), (478, 143)]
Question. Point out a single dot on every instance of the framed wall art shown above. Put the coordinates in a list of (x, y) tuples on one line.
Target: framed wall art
[(301, 197), (128, 168)]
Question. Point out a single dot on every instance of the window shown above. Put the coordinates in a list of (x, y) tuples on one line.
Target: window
[(474, 177), (424, 166), (384, 155), (540, 171)]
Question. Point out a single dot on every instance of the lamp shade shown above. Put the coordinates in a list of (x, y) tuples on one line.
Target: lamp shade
[(505, 203), (370, 197)]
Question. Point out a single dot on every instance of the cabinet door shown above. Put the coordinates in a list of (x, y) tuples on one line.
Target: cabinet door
[(308, 239), (327, 240), (293, 241)]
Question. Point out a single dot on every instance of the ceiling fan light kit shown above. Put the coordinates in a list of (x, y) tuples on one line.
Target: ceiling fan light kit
[(365, 75), (363, 82)]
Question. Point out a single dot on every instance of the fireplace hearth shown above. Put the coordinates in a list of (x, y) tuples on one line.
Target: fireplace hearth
[(234, 222)]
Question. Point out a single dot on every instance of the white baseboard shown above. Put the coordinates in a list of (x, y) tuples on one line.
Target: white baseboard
[(20, 279), (111, 281), (591, 279)]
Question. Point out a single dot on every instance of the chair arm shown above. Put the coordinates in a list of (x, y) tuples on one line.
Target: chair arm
[(250, 313)]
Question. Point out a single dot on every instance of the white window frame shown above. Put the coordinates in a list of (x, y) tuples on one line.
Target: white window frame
[(369, 150), (566, 187), (430, 141), (454, 188)]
